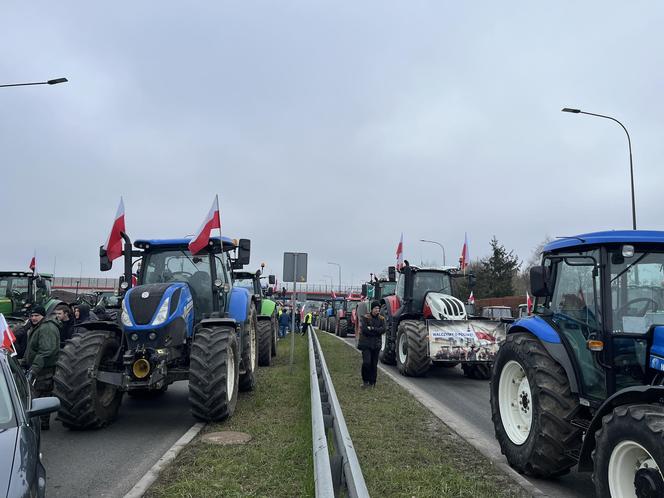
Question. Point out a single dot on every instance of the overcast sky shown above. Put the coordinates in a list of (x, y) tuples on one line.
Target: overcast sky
[(326, 127)]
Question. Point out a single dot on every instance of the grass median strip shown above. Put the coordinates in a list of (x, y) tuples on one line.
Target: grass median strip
[(276, 463), (404, 450)]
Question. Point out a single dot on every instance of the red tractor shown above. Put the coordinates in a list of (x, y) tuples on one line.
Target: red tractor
[(426, 325), (374, 290), (346, 315)]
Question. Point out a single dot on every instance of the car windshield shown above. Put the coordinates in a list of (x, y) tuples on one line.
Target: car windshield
[(498, 313), (637, 290), (6, 405), (429, 281)]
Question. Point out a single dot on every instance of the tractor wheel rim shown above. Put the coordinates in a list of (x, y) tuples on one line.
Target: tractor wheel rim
[(627, 458), (403, 349), (515, 401), (230, 374)]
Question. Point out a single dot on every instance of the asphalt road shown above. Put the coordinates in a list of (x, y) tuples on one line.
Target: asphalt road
[(108, 462), (469, 400)]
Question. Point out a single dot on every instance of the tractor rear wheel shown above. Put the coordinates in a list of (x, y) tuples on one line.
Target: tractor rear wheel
[(532, 407), (629, 452), (275, 335), (413, 348), (249, 352), (332, 325), (264, 331), (86, 403), (343, 327), (213, 373), (387, 353), (479, 371)]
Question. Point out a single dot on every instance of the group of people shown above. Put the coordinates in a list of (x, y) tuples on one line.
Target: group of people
[(301, 322), (39, 340)]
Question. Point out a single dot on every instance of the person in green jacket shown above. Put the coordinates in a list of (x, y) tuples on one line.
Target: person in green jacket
[(41, 355)]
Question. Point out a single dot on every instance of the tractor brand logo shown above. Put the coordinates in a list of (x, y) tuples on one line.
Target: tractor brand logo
[(145, 295), (187, 308)]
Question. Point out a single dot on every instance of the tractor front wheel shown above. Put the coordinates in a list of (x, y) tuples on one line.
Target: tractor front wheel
[(629, 453), (413, 348), (264, 331), (85, 402), (213, 373), (275, 335), (332, 325), (343, 327), (249, 352), (532, 407)]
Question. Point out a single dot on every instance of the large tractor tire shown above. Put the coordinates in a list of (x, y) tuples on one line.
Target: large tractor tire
[(479, 371), (249, 352), (532, 407), (275, 335), (214, 373), (264, 331), (629, 453), (387, 353), (332, 324), (86, 403), (343, 327), (413, 348)]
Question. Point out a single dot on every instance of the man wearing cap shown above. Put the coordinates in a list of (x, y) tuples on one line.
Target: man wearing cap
[(373, 327), (41, 355)]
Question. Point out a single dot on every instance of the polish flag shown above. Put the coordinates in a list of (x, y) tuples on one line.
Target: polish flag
[(334, 295), (8, 338), (471, 298), (465, 256), (400, 253), (212, 220), (33, 262), (529, 303), (113, 245)]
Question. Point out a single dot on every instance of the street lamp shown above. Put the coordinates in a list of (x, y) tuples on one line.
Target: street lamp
[(48, 82), (338, 265), (629, 144), (437, 243)]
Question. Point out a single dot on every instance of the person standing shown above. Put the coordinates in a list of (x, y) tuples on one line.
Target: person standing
[(373, 327), (41, 356), (284, 323), (306, 322), (66, 322)]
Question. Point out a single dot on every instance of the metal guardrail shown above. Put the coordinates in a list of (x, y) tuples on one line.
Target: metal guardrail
[(338, 474)]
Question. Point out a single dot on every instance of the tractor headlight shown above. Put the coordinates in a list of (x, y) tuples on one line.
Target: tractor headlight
[(163, 313), (124, 316), (152, 336)]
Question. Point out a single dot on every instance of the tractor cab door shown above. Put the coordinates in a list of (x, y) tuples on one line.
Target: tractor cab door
[(576, 308), (636, 278)]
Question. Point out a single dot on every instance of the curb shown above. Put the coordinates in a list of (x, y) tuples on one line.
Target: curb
[(151, 475), (462, 428)]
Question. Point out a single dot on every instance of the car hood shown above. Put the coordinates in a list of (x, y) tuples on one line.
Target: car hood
[(7, 450)]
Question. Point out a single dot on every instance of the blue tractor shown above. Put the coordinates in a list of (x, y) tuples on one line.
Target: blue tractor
[(582, 381), (183, 320)]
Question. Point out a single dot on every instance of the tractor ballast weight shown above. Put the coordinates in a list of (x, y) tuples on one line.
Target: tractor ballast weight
[(183, 320), (582, 381), (427, 325)]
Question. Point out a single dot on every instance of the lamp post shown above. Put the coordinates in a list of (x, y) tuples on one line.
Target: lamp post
[(48, 82), (339, 266), (437, 243), (629, 145)]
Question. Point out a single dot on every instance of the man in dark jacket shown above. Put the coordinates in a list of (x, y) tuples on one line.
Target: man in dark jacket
[(41, 355), (284, 323), (373, 327), (66, 322)]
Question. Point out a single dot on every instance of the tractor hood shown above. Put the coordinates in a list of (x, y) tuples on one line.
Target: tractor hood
[(156, 305), (444, 306)]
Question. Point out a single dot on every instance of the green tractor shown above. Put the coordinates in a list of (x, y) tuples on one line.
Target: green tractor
[(20, 291), (581, 382), (267, 328)]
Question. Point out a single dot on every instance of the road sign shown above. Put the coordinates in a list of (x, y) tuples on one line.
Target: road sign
[(295, 262)]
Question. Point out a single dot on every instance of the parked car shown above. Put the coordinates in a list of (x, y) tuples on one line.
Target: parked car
[(497, 312), (21, 469)]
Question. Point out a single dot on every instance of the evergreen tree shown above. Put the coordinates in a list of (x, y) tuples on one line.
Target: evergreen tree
[(496, 272)]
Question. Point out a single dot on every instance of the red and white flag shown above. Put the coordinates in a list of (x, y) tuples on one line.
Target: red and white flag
[(471, 298), (113, 244), (400, 253), (212, 220), (33, 262), (8, 338), (465, 255), (529, 303)]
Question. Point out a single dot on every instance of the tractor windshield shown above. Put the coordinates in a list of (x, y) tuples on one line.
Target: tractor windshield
[(247, 283), (351, 305), (14, 288), (430, 281), (387, 288)]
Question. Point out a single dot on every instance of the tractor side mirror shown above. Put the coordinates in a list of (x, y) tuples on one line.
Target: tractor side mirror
[(271, 279), (244, 251), (364, 289), (539, 281), (391, 273), (105, 264)]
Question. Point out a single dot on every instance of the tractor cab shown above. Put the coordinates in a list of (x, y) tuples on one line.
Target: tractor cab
[(414, 283), (19, 291)]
